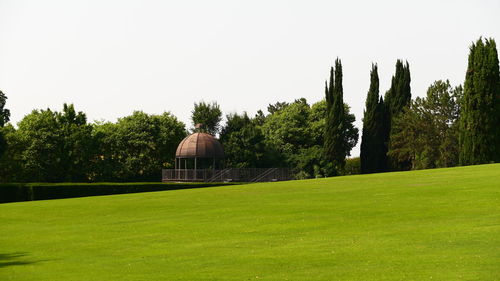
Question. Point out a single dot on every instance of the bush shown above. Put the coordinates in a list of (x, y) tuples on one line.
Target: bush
[(42, 191), (352, 166)]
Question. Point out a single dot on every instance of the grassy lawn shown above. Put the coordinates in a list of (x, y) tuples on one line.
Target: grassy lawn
[(441, 224)]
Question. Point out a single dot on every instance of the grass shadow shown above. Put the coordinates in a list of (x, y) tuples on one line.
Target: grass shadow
[(13, 259)]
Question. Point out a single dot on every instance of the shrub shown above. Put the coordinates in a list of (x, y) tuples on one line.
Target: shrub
[(352, 166), (41, 191)]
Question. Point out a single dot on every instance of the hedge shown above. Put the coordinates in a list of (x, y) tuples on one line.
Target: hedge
[(16, 192)]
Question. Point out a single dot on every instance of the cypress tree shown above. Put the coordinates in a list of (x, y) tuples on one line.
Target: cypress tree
[(328, 140), (335, 145), (396, 100), (373, 148), (479, 138), (399, 95)]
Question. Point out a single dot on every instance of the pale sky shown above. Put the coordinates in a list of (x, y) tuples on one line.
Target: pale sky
[(110, 58)]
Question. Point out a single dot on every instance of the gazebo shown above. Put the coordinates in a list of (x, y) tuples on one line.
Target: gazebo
[(198, 159), (199, 150)]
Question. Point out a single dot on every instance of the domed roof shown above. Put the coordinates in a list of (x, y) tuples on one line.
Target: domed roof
[(199, 145)]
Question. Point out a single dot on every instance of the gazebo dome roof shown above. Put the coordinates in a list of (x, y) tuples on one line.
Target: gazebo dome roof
[(199, 145)]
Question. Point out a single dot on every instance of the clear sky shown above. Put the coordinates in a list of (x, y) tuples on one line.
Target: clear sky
[(110, 58)]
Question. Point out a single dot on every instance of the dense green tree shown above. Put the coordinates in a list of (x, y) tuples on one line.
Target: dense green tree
[(396, 100), (4, 112), (3, 143), (259, 118), (11, 169), (287, 130), (76, 148), (352, 166), (426, 134), (373, 143), (317, 121), (107, 163), (40, 137), (480, 120), (208, 115), (336, 143), (290, 137), (244, 144), (351, 133), (51, 146), (136, 147), (272, 108), (311, 161), (4, 118)]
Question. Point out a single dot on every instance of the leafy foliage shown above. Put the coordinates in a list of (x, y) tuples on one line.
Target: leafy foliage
[(208, 115), (352, 166), (287, 130), (426, 134), (48, 146), (4, 112), (4, 118), (52, 146), (243, 143), (136, 147), (294, 136)]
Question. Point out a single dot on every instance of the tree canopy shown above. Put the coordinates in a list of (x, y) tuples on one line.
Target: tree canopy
[(51, 146), (208, 116), (447, 127), (426, 134)]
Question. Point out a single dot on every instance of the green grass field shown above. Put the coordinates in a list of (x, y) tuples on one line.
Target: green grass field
[(441, 224)]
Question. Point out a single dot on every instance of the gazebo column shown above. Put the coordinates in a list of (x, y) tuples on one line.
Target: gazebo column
[(195, 168), (213, 166), (175, 167), (179, 167)]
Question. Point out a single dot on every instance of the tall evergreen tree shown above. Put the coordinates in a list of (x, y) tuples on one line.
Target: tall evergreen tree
[(480, 119), (397, 98), (373, 147), (335, 144), (328, 139), (399, 95)]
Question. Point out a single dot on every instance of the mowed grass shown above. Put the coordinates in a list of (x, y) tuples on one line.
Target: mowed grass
[(441, 224)]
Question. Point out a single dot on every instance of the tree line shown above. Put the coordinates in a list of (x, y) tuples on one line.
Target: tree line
[(451, 125)]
